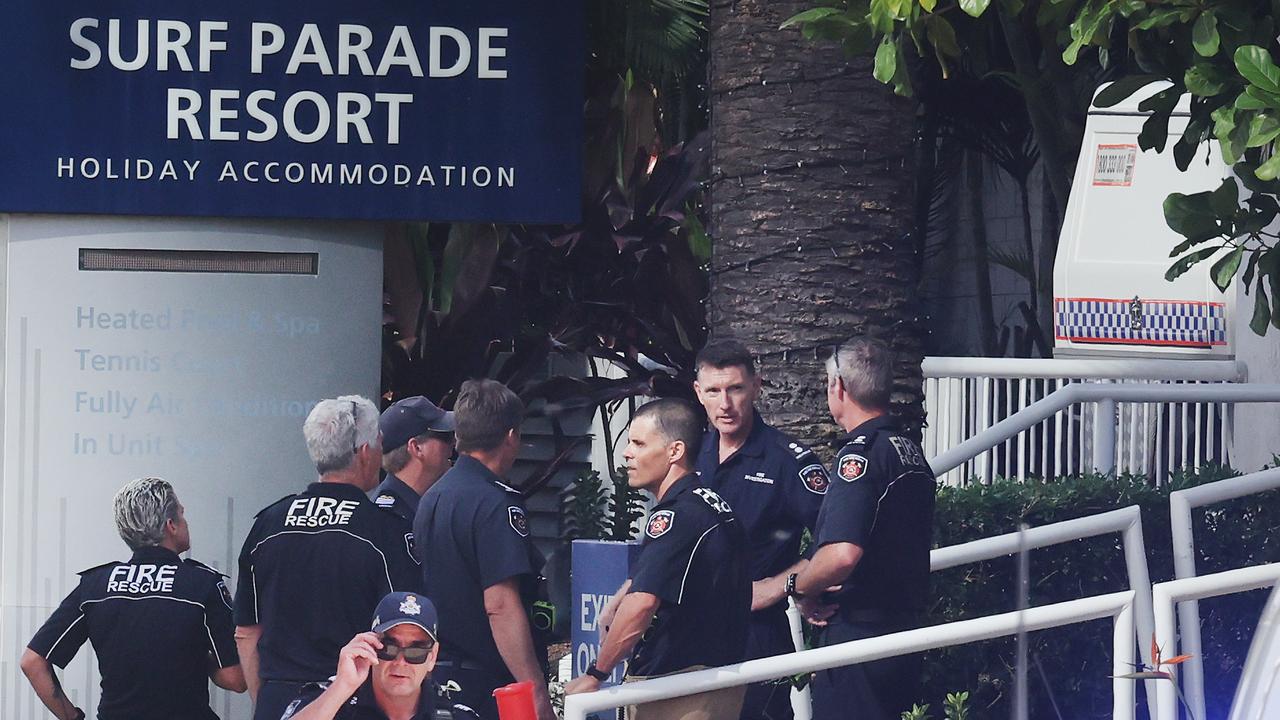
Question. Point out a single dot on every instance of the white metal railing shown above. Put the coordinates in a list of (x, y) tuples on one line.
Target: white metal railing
[(1181, 502), (1105, 398), (1126, 521), (1166, 594), (1118, 606), (1258, 694), (965, 396)]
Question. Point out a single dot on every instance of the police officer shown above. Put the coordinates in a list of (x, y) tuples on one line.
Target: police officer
[(775, 486), (874, 534), (689, 598), (382, 673), (417, 447), (479, 567), (315, 564), (160, 625)]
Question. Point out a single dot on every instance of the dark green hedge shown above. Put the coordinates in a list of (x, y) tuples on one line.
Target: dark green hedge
[(1069, 666)]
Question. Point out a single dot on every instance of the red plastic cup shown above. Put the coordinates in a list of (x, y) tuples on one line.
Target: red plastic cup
[(515, 701)]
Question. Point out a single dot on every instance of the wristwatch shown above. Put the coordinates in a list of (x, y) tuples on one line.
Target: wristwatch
[(597, 673), (791, 586)]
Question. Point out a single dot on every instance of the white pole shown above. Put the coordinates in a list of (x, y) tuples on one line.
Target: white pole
[(801, 698), (1104, 436)]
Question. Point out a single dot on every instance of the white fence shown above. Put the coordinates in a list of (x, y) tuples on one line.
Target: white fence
[(1106, 448), (965, 396), (1116, 605)]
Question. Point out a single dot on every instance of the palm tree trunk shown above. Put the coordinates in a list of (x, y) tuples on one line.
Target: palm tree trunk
[(811, 205)]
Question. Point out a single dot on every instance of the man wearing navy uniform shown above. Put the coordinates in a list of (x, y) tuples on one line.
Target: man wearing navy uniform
[(775, 486), (160, 625), (688, 601), (382, 673), (479, 567), (873, 537), (417, 446), (315, 564)]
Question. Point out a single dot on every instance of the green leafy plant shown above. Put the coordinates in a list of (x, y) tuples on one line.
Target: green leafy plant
[(592, 511), (917, 712), (583, 511), (956, 706), (626, 505)]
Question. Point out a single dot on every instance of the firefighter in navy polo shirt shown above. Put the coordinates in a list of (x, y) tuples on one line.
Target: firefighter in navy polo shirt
[(479, 567), (775, 486), (688, 601), (160, 626), (873, 540), (417, 448), (315, 564), (382, 673)]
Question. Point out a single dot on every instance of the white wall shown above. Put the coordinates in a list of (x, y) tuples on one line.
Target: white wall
[(226, 433)]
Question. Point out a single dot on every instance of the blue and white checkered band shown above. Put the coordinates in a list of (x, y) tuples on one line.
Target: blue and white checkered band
[(1175, 323)]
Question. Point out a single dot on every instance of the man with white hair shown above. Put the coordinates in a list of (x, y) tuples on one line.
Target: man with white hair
[(160, 625), (315, 564)]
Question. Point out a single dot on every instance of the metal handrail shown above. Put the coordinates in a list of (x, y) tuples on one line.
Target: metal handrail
[(1181, 502), (1127, 521), (1106, 395), (1099, 369), (1166, 595), (1116, 605)]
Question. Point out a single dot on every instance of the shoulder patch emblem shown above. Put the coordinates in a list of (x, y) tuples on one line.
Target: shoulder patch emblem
[(815, 479), (659, 523), (225, 593), (385, 500), (519, 523), (852, 467)]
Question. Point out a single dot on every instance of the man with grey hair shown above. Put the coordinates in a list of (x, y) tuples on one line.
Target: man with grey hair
[(478, 563), (315, 564), (160, 625), (870, 573)]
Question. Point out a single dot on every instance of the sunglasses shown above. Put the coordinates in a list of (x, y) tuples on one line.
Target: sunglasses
[(414, 654)]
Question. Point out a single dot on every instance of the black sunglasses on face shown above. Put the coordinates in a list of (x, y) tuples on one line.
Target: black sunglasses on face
[(414, 654)]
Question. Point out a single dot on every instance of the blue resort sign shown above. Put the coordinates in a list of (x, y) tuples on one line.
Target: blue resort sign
[(382, 109)]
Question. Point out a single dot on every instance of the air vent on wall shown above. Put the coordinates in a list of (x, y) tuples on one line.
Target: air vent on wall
[(199, 261)]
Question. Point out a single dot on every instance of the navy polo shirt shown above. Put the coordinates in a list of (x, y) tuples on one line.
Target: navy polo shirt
[(363, 705), (881, 499), (157, 623), (472, 533), (312, 571), (395, 495), (775, 486), (693, 558)]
